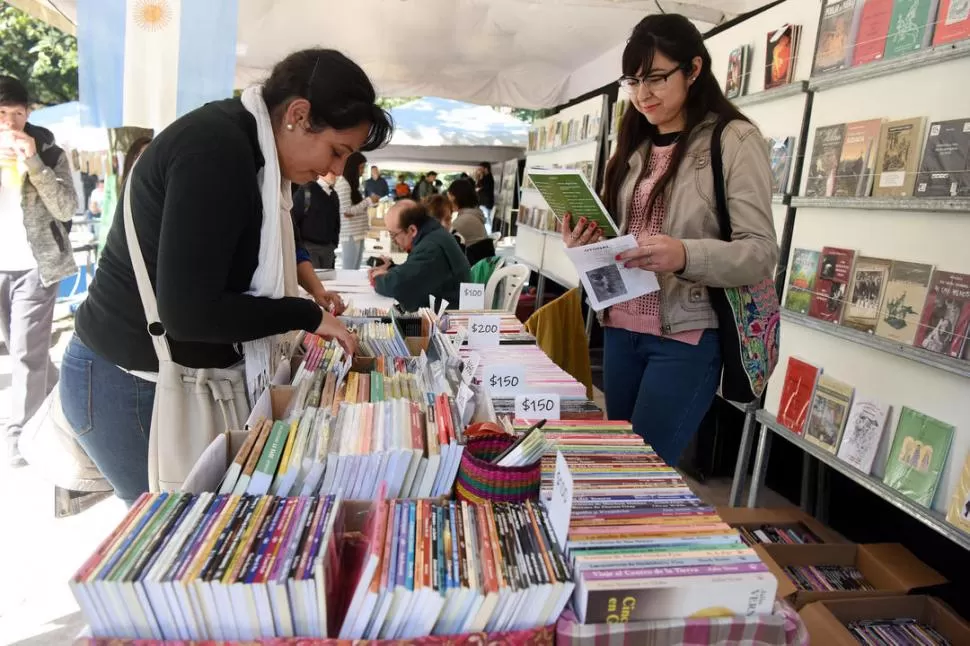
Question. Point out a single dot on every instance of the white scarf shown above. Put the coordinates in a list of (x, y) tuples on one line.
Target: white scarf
[(275, 275)]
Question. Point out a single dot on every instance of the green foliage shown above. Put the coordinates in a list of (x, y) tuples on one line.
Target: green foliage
[(389, 103), (529, 116), (42, 57)]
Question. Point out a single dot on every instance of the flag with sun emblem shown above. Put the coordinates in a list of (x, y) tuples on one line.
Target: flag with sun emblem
[(147, 62)]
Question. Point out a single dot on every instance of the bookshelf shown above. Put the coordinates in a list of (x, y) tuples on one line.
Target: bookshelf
[(923, 204), (570, 146), (792, 89)]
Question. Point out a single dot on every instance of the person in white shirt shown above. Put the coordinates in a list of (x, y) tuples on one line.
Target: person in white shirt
[(355, 221), (96, 201)]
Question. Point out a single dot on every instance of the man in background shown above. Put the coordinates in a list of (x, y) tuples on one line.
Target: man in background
[(426, 186), (316, 220), (376, 185), (37, 200), (485, 188), (96, 201)]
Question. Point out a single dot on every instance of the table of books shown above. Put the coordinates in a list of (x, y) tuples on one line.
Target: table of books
[(335, 517)]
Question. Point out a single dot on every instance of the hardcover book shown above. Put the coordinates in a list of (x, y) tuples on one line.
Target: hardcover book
[(796, 394), (911, 27), (863, 432), (780, 55), (737, 75), (824, 165), (869, 279), (870, 41), (830, 407), (943, 172), (958, 512), (801, 280), (857, 162), (900, 143), (833, 49), (945, 321), (906, 292), (831, 284), (952, 21), (918, 455), (780, 151)]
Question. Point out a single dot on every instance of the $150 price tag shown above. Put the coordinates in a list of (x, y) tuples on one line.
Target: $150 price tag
[(534, 407), (471, 296), (504, 379), (483, 331)]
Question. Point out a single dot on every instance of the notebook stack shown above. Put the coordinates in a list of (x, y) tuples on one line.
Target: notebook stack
[(200, 567), (447, 568), (542, 375), (642, 545), (511, 330)]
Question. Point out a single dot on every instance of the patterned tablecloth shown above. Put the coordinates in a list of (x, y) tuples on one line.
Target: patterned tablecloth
[(781, 628)]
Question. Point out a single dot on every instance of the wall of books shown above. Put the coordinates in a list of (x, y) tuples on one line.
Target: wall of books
[(506, 187), (877, 300)]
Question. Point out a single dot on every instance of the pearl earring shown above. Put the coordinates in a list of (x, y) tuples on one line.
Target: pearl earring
[(289, 126)]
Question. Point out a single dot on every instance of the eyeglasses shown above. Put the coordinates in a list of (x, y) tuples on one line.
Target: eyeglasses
[(395, 234), (655, 82)]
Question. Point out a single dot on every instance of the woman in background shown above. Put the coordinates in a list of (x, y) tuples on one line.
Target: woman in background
[(440, 208), (469, 221), (353, 210)]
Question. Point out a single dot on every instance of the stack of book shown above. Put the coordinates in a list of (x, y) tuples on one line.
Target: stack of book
[(878, 632), (570, 409), (827, 578), (511, 329), (214, 567), (542, 375), (379, 339), (787, 534), (449, 568), (642, 545)]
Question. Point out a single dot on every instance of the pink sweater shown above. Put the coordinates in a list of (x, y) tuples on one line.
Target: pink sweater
[(643, 314)]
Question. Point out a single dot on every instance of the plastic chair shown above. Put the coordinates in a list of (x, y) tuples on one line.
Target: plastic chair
[(495, 235), (515, 278)]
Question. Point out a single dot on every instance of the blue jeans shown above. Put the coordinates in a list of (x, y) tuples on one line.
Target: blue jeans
[(351, 253), (110, 410), (664, 387)]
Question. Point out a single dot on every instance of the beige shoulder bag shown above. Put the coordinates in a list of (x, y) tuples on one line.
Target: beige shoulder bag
[(192, 406)]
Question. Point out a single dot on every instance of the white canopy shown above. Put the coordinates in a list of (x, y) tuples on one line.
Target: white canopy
[(64, 120), (523, 53)]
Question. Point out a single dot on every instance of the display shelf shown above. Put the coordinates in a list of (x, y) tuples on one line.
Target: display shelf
[(932, 359), (796, 87), (917, 60), (782, 199), (575, 144), (925, 204), (929, 517)]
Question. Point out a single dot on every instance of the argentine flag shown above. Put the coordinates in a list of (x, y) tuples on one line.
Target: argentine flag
[(147, 62)]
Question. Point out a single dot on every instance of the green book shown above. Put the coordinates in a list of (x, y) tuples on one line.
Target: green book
[(801, 280), (910, 28), (567, 191), (269, 460), (918, 455)]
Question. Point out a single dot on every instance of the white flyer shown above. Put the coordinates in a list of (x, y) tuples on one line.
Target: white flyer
[(606, 281)]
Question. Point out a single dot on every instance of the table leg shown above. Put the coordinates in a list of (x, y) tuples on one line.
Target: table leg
[(760, 465), (744, 456)]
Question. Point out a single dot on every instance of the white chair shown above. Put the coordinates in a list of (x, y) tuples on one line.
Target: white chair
[(515, 278)]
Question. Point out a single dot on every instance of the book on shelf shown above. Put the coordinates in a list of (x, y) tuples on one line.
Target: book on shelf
[(918, 455), (902, 308), (870, 276), (801, 280), (874, 20), (831, 284), (781, 55), (945, 322), (823, 167), (900, 144), (863, 432), (780, 153), (836, 36), (857, 162), (736, 83), (946, 160), (958, 511), (797, 391), (830, 407), (911, 27), (952, 22)]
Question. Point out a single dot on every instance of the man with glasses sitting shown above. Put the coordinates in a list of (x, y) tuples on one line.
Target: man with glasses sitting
[(435, 266)]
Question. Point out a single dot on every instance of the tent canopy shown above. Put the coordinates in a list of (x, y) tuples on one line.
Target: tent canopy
[(64, 120), (523, 53)]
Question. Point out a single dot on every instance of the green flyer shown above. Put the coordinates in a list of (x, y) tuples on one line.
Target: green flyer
[(566, 191)]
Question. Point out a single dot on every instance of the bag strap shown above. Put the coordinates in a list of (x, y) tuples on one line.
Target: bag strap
[(717, 167), (148, 302)]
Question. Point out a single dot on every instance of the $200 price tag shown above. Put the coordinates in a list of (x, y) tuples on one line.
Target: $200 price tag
[(504, 379), (534, 407), (483, 331)]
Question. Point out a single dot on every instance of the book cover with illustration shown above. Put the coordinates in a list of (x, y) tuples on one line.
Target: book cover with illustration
[(958, 511), (911, 27), (857, 163), (866, 291), (900, 144), (946, 159), (737, 75), (780, 152), (796, 394), (902, 307), (833, 48), (830, 407), (870, 39), (918, 455), (831, 284), (952, 22), (945, 322), (863, 432), (823, 167), (801, 280), (781, 55)]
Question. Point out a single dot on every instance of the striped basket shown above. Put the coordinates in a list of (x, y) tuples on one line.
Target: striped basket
[(479, 480)]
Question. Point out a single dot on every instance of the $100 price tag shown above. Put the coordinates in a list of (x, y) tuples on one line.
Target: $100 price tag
[(504, 379), (534, 407), (483, 331), (471, 296)]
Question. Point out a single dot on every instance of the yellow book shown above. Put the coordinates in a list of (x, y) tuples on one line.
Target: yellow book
[(288, 447), (352, 386), (958, 513)]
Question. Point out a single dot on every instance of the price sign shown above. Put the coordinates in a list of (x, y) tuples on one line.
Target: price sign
[(561, 505), (536, 407), (460, 336), (484, 331), (504, 379), (471, 296), (471, 367)]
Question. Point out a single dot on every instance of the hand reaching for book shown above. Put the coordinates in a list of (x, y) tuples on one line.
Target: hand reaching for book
[(586, 232), (332, 328), (331, 302)]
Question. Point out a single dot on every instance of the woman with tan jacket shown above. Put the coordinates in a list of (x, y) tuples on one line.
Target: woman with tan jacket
[(662, 357)]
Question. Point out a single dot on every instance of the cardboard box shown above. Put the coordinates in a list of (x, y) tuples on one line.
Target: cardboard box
[(826, 620), (753, 518), (889, 567)]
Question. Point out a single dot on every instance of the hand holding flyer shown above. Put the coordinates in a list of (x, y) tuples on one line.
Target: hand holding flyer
[(608, 282)]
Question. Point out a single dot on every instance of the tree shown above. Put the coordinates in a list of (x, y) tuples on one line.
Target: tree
[(528, 116), (42, 57), (392, 102)]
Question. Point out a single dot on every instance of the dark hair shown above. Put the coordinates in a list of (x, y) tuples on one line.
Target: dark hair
[(485, 166), (12, 91), (418, 215), (431, 172), (340, 94), (464, 193), (678, 39), (132, 154), (352, 175), (438, 205)]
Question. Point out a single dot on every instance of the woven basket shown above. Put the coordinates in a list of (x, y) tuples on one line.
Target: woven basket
[(479, 480)]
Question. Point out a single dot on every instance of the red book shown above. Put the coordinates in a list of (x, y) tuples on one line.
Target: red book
[(417, 432), (831, 284), (870, 42), (952, 22), (796, 394), (945, 322)]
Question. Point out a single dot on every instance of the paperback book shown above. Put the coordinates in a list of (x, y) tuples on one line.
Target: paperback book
[(900, 144), (780, 152), (870, 276), (918, 455), (830, 406), (911, 27), (737, 75), (831, 284), (944, 170), (780, 55), (863, 432), (796, 394), (958, 511), (945, 322), (952, 22), (801, 280), (857, 162), (906, 292), (874, 20), (833, 48), (823, 167)]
